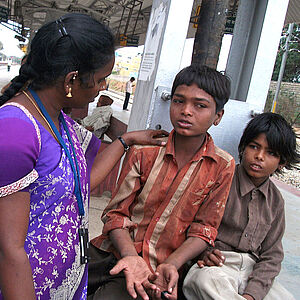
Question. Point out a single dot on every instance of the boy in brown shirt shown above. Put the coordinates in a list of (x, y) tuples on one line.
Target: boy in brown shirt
[(253, 224)]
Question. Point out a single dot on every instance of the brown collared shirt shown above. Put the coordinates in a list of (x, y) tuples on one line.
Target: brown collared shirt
[(254, 222), (165, 204)]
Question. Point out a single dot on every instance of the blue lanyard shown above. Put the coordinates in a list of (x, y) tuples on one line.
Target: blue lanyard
[(75, 169)]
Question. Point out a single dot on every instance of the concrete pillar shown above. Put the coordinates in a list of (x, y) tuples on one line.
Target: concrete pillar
[(266, 52), (254, 47), (250, 65), (166, 34)]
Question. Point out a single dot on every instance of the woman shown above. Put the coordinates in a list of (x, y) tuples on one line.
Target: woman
[(49, 163)]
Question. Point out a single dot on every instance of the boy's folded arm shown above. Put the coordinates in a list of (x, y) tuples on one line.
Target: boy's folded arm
[(122, 242), (116, 220), (270, 258), (188, 250)]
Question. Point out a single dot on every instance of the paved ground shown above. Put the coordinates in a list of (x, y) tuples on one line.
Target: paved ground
[(290, 273)]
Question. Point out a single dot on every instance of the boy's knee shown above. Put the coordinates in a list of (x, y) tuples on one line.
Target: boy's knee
[(199, 278)]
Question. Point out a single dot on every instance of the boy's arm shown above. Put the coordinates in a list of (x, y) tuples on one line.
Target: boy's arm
[(270, 258), (191, 248), (117, 224)]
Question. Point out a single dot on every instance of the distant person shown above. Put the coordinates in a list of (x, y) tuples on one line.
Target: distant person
[(248, 249), (169, 201), (128, 92), (8, 84), (8, 65), (99, 121)]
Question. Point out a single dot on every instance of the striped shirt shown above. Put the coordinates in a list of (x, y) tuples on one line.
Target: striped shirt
[(162, 206)]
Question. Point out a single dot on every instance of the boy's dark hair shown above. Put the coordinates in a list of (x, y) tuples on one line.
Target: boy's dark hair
[(132, 79), (280, 136), (211, 81), (74, 42)]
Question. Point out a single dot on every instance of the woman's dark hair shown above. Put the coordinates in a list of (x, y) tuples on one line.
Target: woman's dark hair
[(75, 42), (211, 81), (280, 136)]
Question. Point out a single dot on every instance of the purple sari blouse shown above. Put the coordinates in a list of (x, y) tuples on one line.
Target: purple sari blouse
[(34, 162)]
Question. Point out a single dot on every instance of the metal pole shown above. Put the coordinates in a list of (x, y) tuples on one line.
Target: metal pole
[(282, 66)]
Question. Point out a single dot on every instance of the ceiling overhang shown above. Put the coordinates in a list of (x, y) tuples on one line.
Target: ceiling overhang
[(127, 18)]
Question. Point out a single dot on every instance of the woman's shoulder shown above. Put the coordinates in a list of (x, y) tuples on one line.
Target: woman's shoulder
[(19, 147), (16, 121)]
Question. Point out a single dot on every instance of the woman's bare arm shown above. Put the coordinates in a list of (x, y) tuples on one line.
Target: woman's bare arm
[(15, 271), (106, 160)]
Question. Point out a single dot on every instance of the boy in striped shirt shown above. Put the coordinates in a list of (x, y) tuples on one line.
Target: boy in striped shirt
[(169, 200)]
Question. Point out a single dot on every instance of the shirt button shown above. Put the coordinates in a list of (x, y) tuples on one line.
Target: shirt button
[(246, 234), (157, 219)]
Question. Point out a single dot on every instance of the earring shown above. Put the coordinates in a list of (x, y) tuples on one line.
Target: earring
[(69, 95), (74, 76)]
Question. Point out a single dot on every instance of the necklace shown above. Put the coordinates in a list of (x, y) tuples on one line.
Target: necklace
[(39, 111)]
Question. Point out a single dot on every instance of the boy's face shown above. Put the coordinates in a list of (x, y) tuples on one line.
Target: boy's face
[(193, 111), (259, 161)]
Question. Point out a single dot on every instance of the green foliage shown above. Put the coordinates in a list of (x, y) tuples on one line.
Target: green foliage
[(288, 104), (292, 68)]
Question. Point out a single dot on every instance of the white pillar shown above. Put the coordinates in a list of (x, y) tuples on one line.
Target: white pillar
[(166, 34), (266, 52), (250, 65)]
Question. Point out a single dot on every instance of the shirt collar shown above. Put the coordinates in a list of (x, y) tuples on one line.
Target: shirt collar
[(207, 149), (248, 185)]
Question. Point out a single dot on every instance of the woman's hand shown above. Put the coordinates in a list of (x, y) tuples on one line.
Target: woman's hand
[(145, 137), (106, 160)]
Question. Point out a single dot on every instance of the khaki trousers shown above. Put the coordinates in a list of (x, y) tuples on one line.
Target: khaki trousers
[(226, 282)]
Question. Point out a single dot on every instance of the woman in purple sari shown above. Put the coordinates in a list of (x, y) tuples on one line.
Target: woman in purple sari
[(49, 163)]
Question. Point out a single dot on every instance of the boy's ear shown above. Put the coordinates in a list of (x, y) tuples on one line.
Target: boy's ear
[(281, 166), (219, 116)]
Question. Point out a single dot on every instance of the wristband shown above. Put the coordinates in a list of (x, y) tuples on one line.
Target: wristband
[(126, 147)]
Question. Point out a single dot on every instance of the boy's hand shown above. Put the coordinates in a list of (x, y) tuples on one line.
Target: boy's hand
[(165, 279), (136, 273), (211, 258)]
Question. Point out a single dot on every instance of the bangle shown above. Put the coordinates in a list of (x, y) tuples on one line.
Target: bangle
[(126, 147)]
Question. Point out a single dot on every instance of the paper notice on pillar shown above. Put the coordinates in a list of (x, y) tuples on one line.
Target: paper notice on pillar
[(156, 25)]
